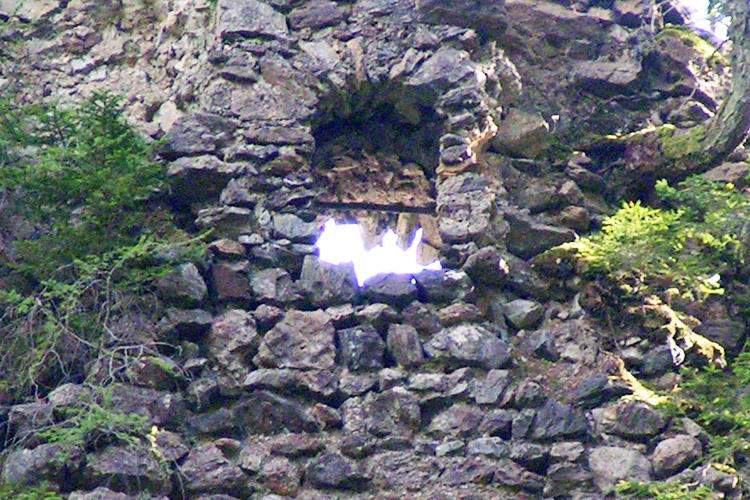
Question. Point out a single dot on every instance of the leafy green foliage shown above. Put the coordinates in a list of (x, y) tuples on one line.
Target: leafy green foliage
[(95, 423), (720, 401), (83, 183), (687, 244), (23, 492), (665, 491), (81, 175)]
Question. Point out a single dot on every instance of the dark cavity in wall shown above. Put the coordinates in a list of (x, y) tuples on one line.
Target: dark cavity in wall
[(380, 132)]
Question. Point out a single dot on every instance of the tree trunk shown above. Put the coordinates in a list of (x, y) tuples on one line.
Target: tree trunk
[(727, 129)]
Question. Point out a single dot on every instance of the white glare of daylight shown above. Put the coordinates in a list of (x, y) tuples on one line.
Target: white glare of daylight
[(341, 243), (700, 18)]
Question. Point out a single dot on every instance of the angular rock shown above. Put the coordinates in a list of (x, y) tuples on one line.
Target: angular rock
[(488, 19), (206, 470), (249, 18), (498, 423), (491, 446), (423, 317), (727, 333), (227, 222), (128, 470), (51, 462), (293, 228), (441, 72), (316, 14), (301, 340), (487, 266), (459, 312), (404, 345), (199, 134), (232, 342), (273, 286), (100, 493), (491, 389), (465, 208), (184, 286), (201, 178), (521, 134), (332, 470), (470, 470), (558, 420), (533, 456), (657, 361), (523, 313), (160, 408), (508, 473), (599, 389), (633, 420), (674, 454), (442, 286), (185, 324), (606, 78), (324, 284), (528, 237), (280, 476), (361, 348), (610, 465), (736, 173), (394, 289), (460, 420), (321, 383), (266, 413), (395, 411), (231, 281), (469, 344)]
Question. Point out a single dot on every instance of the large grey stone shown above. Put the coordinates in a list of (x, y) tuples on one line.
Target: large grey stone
[(487, 18), (232, 342), (393, 289), (611, 464), (674, 454), (404, 345), (184, 286), (206, 470), (129, 470), (194, 178), (302, 340), (559, 420), (263, 412), (47, 462), (199, 134), (316, 14), (468, 344), (332, 470), (249, 18), (528, 238), (523, 313), (293, 228), (324, 284), (361, 348)]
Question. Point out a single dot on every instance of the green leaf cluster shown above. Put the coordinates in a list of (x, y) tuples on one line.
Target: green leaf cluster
[(81, 176), (23, 492), (720, 401), (86, 187), (665, 491), (687, 244), (94, 423)]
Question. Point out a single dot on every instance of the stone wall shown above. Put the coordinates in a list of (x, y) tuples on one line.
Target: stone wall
[(286, 379)]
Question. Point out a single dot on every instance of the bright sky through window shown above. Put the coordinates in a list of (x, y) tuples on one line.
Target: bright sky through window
[(341, 243), (699, 17)]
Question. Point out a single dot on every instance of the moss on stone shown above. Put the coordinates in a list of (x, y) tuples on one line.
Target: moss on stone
[(691, 38), (680, 143)]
